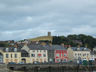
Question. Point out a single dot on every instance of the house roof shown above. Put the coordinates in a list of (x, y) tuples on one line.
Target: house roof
[(11, 49), (80, 49), (46, 47)]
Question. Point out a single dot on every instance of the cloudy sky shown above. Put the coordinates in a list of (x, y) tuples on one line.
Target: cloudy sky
[(21, 19)]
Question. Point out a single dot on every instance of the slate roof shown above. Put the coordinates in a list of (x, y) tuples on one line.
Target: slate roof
[(36, 47), (80, 49), (11, 49), (46, 47), (2, 48)]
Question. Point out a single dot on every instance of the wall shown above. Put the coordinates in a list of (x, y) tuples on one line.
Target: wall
[(36, 58), (12, 59), (70, 54)]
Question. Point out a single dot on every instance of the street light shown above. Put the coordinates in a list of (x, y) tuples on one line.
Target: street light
[(77, 65)]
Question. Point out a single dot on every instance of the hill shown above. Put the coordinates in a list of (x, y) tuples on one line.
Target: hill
[(74, 40)]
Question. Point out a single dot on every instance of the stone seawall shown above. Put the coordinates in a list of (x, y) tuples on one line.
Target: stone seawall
[(3, 68)]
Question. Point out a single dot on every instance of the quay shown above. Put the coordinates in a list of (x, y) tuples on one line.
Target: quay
[(51, 67)]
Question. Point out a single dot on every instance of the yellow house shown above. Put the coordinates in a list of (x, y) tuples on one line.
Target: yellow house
[(79, 53), (11, 55), (1, 55)]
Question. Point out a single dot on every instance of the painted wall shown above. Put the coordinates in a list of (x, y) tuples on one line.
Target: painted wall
[(70, 54), (61, 56), (84, 55), (38, 56), (11, 57)]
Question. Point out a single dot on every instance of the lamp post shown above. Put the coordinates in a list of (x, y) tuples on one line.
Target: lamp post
[(77, 65)]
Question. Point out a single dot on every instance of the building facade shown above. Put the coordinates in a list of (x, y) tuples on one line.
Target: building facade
[(11, 55), (38, 53), (81, 53), (61, 55)]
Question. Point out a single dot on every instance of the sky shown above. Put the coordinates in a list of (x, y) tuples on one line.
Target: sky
[(23, 19)]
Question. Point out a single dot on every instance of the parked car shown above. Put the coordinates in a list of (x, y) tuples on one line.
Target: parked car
[(11, 63), (21, 63), (36, 62)]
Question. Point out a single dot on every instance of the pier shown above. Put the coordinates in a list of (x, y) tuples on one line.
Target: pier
[(52, 67)]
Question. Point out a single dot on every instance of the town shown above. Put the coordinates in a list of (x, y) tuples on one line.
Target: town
[(36, 52)]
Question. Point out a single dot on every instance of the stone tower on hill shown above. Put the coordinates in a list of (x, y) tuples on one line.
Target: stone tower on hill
[(41, 38)]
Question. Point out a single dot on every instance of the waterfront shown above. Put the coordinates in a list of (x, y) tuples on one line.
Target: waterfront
[(59, 71)]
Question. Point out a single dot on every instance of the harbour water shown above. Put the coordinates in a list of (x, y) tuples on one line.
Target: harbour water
[(60, 71)]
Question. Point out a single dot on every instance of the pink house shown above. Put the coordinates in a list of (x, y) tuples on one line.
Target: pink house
[(61, 55)]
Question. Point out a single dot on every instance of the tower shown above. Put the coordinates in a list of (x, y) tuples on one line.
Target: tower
[(49, 33)]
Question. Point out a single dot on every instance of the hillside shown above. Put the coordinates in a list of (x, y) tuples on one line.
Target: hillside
[(48, 38), (74, 40)]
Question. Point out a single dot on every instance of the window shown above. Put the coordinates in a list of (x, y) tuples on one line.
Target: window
[(61, 55), (37, 59), (84, 54), (15, 49), (57, 55), (58, 60), (15, 55), (44, 50), (33, 50), (64, 60), (7, 49), (50, 60), (39, 55), (11, 55), (79, 54), (64, 54), (7, 56), (45, 60), (32, 55), (44, 55), (75, 54)]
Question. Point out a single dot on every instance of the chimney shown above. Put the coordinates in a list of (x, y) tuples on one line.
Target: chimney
[(78, 46), (49, 33), (15, 46), (62, 44), (69, 46), (50, 44)]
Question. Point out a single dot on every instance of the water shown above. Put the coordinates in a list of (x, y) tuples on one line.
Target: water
[(60, 71)]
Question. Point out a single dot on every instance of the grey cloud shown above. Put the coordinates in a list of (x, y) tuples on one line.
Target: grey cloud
[(20, 19)]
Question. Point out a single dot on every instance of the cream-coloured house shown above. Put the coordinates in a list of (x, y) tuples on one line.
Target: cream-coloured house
[(38, 54), (79, 53), (34, 53), (70, 54)]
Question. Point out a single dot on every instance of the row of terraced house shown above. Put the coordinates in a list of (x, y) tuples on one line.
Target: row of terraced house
[(32, 53)]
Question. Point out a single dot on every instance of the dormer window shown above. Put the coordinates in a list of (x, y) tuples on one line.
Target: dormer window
[(78, 48), (7, 49), (85, 48), (15, 49)]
